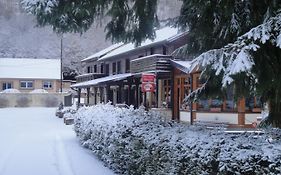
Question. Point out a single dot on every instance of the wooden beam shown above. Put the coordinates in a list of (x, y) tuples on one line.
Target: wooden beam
[(88, 96), (241, 107), (79, 96)]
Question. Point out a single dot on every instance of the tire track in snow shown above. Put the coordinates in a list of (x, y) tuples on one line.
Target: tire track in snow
[(62, 161), (5, 158)]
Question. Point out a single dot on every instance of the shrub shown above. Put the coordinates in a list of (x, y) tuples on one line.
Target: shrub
[(23, 101), (136, 142), (51, 101), (4, 102)]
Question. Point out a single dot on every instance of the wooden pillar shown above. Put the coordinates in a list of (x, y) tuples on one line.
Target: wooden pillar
[(193, 86), (137, 95), (174, 97), (129, 93), (79, 96), (88, 96), (241, 107), (95, 97), (156, 92), (122, 93), (107, 88)]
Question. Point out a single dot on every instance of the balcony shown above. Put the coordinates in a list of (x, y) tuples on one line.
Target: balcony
[(151, 63)]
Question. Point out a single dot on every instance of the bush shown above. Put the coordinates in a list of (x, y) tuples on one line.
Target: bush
[(51, 101), (4, 102), (136, 142), (23, 101)]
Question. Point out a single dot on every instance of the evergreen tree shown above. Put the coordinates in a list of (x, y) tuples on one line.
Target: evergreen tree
[(234, 42)]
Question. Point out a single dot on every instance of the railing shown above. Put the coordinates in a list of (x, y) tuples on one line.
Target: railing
[(151, 63)]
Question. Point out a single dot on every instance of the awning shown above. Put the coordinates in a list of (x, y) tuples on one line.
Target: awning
[(97, 81), (184, 66)]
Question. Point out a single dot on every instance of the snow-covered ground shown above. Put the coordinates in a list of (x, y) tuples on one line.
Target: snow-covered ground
[(35, 142)]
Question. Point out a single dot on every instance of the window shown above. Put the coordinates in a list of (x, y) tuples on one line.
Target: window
[(119, 67), (113, 68), (95, 68), (89, 69), (101, 68), (26, 84), (47, 85), (107, 69), (127, 65), (7, 85)]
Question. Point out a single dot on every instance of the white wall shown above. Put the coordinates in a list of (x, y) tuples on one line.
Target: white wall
[(184, 116), (218, 117), (251, 118)]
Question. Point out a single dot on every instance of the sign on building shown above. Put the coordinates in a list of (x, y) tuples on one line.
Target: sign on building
[(148, 82)]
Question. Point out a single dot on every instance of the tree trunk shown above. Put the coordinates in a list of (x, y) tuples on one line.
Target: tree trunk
[(274, 117)]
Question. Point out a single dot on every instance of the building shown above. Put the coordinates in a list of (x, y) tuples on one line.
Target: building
[(117, 74), (27, 75), (114, 74)]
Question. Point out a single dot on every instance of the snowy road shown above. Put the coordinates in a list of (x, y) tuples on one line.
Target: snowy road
[(35, 142)]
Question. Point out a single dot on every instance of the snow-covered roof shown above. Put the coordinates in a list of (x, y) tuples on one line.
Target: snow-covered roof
[(102, 80), (182, 65), (26, 68), (151, 56), (164, 34), (103, 52)]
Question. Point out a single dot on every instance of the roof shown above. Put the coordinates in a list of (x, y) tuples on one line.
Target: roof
[(166, 34), (182, 65), (27, 68), (102, 80), (103, 52)]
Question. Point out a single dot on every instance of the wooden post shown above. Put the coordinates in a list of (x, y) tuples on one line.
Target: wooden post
[(174, 97), (129, 93), (79, 96), (241, 107), (191, 103), (95, 97), (194, 86), (88, 96)]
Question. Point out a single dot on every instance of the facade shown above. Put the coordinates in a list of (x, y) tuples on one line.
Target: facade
[(27, 75), (114, 74)]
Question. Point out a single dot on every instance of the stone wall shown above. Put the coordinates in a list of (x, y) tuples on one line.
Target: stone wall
[(31, 100)]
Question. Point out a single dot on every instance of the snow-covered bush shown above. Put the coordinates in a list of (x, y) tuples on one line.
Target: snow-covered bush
[(51, 101), (39, 91), (10, 91), (23, 101), (4, 102), (136, 142)]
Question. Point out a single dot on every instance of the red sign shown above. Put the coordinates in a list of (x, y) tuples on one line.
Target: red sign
[(148, 77), (148, 82), (148, 87)]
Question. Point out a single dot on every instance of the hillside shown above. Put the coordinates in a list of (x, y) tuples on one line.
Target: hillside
[(20, 38)]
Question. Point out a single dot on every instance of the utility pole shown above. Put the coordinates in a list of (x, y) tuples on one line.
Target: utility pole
[(61, 75)]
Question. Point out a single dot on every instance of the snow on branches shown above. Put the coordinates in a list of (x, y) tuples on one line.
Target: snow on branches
[(236, 57), (37, 5)]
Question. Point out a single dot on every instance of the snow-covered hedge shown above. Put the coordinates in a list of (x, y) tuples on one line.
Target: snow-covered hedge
[(135, 142)]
